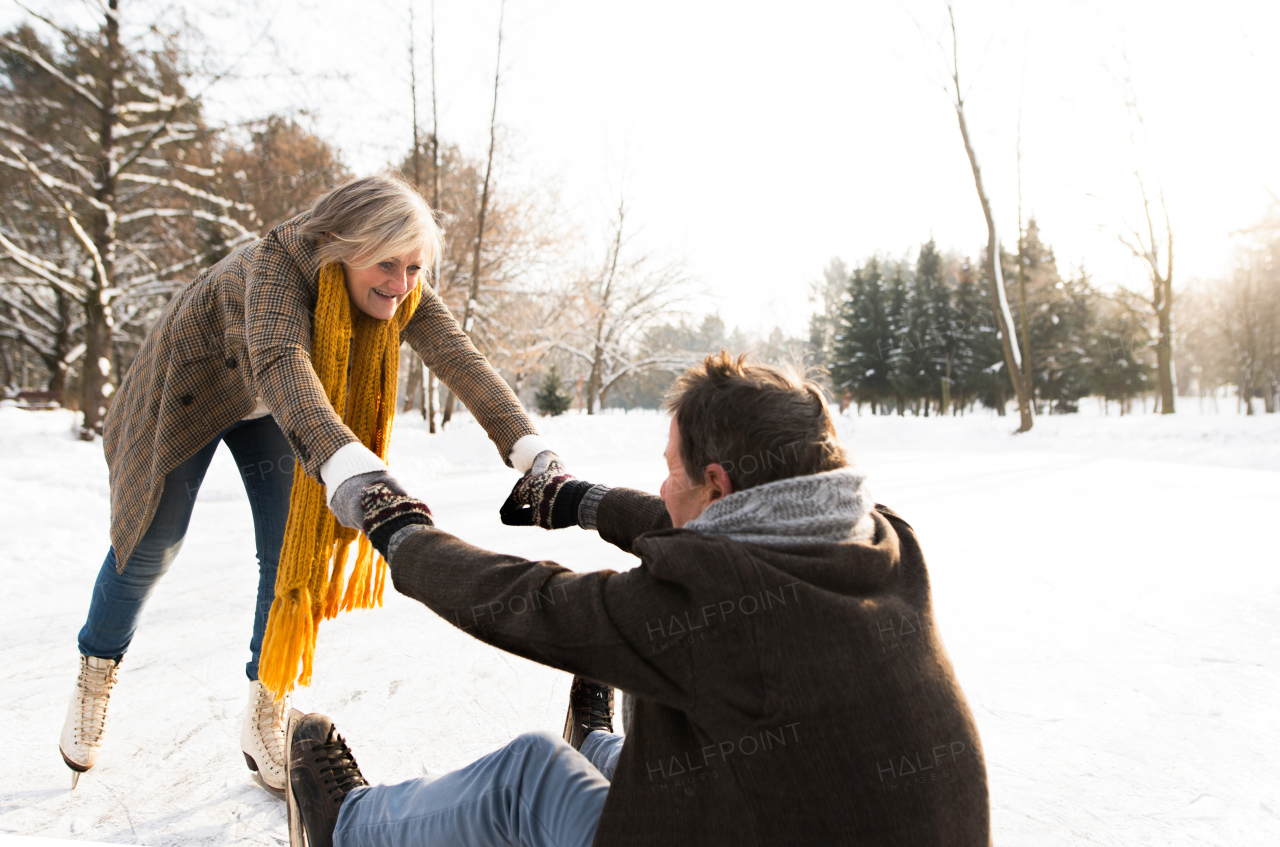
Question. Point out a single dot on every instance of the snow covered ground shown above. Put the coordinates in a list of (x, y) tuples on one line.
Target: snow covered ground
[(1107, 588)]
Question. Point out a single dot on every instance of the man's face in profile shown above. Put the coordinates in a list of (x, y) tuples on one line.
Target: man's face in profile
[(685, 501)]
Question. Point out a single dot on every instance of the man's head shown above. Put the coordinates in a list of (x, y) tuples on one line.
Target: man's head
[(736, 425)]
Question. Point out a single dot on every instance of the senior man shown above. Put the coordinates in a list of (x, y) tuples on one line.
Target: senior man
[(777, 641)]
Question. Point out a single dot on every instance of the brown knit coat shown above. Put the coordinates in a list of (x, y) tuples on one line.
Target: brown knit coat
[(240, 330), (783, 696)]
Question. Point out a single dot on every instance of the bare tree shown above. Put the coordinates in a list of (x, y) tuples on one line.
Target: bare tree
[(429, 407), (1246, 322), (524, 328), (111, 147), (1028, 367), (42, 319), (1152, 244), (1242, 312), (619, 303), (420, 379), (281, 170), (469, 309), (414, 380), (999, 301)]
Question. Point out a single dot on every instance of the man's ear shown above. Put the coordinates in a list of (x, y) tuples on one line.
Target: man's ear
[(718, 481)]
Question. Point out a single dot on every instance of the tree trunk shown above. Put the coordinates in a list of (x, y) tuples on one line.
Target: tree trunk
[(429, 391), (468, 314), (999, 303), (95, 380), (946, 390), (412, 382), (61, 345), (95, 373), (593, 380), (1027, 369), (429, 408), (6, 370), (1164, 348)]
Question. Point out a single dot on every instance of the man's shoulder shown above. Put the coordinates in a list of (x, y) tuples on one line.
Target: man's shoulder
[(690, 556), (693, 558)]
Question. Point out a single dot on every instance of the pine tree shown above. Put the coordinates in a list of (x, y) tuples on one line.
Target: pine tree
[(863, 339), (1059, 314), (898, 289), (551, 398), (927, 343), (824, 324), (990, 380)]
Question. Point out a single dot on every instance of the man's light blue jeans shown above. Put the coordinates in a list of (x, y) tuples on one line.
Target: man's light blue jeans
[(535, 792), (266, 465)]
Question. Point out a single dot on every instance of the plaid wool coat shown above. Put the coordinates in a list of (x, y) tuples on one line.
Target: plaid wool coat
[(242, 330)]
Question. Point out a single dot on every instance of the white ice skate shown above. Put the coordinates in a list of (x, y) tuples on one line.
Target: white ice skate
[(87, 715), (262, 737)]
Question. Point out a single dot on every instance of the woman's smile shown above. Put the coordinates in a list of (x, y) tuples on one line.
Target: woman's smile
[(379, 289)]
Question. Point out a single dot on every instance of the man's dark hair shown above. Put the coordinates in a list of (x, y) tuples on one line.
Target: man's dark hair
[(760, 422)]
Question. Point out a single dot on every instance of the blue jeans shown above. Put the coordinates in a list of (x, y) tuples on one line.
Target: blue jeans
[(535, 792), (267, 467)]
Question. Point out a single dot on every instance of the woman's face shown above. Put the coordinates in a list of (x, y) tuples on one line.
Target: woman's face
[(379, 289)]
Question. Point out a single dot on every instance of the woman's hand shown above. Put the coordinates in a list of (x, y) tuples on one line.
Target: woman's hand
[(548, 499), (346, 500)]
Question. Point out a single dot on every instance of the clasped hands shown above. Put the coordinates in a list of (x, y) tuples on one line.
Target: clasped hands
[(547, 496), (375, 503)]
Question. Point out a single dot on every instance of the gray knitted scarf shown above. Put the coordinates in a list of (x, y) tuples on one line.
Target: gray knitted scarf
[(823, 508)]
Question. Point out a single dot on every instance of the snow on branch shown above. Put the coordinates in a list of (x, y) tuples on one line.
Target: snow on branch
[(22, 50), (50, 151), (178, 185), (200, 214)]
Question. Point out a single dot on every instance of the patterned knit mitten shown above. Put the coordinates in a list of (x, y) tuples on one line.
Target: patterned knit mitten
[(549, 500), (387, 511)]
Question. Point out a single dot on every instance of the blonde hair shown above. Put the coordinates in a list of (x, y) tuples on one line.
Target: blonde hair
[(372, 218)]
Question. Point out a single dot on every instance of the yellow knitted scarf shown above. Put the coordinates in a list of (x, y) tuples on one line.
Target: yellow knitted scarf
[(309, 582)]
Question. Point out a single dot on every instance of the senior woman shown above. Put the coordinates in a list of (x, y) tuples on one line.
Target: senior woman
[(285, 350)]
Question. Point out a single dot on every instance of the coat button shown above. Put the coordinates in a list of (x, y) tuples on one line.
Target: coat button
[(187, 399), (231, 362)]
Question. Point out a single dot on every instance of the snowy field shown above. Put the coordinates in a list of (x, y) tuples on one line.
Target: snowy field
[(1107, 588)]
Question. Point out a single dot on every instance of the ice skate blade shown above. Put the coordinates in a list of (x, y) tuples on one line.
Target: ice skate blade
[(297, 834), (278, 793), (76, 770), (257, 777)]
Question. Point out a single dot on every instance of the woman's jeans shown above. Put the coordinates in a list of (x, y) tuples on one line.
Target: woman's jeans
[(266, 465), (535, 792)]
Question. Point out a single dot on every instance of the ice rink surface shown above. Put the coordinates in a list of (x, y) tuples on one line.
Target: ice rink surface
[(1108, 589)]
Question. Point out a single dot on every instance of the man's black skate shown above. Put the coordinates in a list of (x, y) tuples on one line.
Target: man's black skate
[(590, 709), (321, 772)]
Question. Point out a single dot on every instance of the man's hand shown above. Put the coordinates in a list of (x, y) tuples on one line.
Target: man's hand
[(388, 510), (548, 499)]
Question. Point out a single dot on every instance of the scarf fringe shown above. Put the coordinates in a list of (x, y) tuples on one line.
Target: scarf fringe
[(312, 583)]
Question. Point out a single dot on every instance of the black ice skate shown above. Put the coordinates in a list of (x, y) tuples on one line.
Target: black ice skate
[(321, 772), (590, 709)]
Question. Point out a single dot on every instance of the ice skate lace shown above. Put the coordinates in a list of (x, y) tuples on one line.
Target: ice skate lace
[(268, 720), (338, 765), (95, 692), (599, 711)]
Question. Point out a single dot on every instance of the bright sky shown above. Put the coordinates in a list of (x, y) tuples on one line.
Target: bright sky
[(757, 140)]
